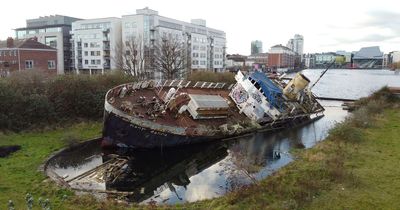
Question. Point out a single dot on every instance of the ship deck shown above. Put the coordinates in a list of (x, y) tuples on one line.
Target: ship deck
[(131, 105)]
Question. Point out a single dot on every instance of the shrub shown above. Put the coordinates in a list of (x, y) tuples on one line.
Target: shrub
[(362, 118), (209, 76), (346, 132), (29, 100)]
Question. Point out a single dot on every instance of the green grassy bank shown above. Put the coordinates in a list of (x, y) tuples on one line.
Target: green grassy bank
[(355, 168)]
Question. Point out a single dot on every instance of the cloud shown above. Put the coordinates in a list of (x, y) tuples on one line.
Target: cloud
[(383, 20), (376, 38)]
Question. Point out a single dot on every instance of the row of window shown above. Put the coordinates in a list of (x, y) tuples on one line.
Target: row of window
[(93, 62), (21, 34), (218, 62), (29, 64), (216, 49), (92, 53), (218, 56), (203, 55), (197, 47), (196, 55), (104, 25), (196, 62), (130, 25), (199, 40), (92, 45), (8, 53)]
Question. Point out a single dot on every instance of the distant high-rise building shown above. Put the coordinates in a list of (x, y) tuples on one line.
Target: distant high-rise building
[(53, 31), (296, 44), (256, 47)]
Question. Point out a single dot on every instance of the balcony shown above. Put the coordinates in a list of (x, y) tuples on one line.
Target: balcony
[(106, 55), (106, 66), (106, 47), (106, 39)]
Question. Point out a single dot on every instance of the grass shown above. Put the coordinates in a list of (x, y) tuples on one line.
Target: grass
[(375, 165), (19, 172), (355, 168)]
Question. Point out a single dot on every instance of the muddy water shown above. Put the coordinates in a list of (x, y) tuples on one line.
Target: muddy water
[(205, 171)]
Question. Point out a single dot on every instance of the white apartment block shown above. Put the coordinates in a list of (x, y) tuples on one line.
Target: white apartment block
[(205, 47), (94, 44)]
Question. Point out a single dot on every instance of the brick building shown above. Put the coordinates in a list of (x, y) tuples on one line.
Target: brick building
[(27, 54), (281, 57)]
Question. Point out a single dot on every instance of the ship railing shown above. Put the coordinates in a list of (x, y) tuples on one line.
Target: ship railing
[(173, 83), (189, 84)]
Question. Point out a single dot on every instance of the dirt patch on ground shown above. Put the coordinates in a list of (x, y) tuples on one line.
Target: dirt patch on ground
[(7, 150)]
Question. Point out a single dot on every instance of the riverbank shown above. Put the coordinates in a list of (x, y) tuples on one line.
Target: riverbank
[(355, 168)]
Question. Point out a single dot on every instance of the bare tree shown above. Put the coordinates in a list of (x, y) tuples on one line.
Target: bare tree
[(130, 56), (169, 58)]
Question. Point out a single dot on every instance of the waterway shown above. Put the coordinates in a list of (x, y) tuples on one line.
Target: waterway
[(206, 171)]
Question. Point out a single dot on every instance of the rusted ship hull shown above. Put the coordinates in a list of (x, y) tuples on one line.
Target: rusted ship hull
[(121, 132)]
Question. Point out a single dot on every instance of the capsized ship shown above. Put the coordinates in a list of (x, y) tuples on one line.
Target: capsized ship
[(149, 114)]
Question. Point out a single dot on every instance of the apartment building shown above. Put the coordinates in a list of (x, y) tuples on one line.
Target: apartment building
[(53, 31), (205, 47), (280, 56), (94, 44)]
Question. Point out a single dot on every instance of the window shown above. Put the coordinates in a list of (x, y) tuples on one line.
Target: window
[(93, 62), (97, 53), (92, 53), (195, 47), (195, 55), (85, 44), (51, 64), (195, 62), (202, 62), (98, 62), (51, 41), (86, 53), (29, 64), (202, 48), (202, 55), (86, 62), (94, 44)]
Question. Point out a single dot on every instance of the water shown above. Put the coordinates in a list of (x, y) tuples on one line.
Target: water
[(206, 171), (351, 84)]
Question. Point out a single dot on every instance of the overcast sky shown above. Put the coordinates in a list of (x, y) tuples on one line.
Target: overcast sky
[(326, 25)]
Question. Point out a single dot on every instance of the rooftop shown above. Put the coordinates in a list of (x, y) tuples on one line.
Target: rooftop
[(369, 53), (30, 43)]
